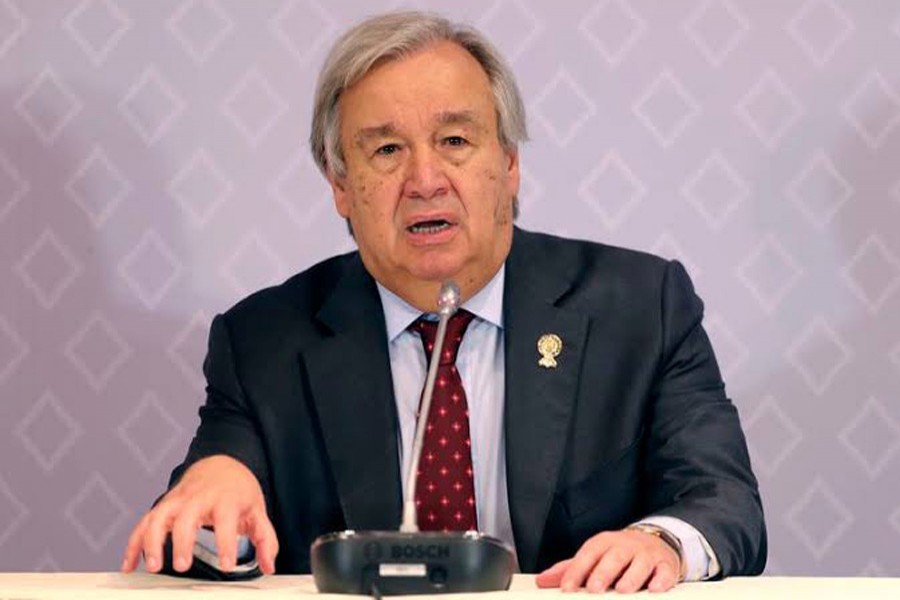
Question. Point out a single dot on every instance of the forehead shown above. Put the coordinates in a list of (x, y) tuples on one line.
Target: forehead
[(439, 80)]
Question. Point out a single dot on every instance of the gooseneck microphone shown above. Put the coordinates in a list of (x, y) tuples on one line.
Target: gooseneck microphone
[(448, 303), (409, 561)]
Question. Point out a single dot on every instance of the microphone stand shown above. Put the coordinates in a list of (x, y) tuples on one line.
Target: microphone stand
[(409, 561)]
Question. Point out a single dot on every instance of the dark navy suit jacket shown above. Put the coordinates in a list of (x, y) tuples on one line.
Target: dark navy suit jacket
[(634, 421)]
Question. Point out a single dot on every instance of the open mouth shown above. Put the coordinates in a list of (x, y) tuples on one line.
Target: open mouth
[(429, 226)]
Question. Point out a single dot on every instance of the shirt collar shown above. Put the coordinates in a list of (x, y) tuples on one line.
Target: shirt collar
[(487, 305)]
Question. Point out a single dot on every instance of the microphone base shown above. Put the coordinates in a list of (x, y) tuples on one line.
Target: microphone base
[(393, 563)]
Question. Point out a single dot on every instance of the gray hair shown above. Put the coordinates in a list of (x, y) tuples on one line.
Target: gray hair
[(394, 36)]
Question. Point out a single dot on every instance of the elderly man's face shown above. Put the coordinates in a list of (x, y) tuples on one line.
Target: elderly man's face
[(428, 189)]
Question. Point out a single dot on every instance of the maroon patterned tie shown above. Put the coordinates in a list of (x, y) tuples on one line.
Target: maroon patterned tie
[(445, 490)]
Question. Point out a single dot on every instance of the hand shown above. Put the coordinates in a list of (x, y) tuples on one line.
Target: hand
[(628, 559), (219, 492)]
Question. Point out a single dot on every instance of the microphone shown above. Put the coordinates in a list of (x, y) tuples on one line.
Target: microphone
[(409, 561)]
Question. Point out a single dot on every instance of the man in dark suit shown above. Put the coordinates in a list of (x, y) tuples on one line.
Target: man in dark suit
[(604, 448)]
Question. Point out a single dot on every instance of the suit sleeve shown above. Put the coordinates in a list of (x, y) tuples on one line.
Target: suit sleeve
[(228, 423), (698, 463)]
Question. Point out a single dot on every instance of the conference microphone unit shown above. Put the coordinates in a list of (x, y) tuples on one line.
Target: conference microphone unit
[(409, 561)]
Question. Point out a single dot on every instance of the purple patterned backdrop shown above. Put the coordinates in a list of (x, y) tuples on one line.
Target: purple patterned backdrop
[(153, 170)]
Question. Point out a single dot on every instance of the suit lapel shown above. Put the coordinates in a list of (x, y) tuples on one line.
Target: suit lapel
[(350, 379), (539, 400)]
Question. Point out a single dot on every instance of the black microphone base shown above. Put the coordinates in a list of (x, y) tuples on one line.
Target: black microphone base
[(394, 563)]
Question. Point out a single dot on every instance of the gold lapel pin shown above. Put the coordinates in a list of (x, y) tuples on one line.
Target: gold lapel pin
[(549, 345)]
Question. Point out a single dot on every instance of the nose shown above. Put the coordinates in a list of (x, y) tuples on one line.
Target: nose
[(425, 177)]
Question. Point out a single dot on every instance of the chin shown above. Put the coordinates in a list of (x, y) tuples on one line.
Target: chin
[(437, 270)]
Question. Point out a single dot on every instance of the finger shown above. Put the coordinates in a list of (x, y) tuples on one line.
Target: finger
[(636, 575), (608, 569), (664, 578), (133, 548), (583, 563), (264, 538), (159, 523), (184, 534), (551, 577), (226, 529)]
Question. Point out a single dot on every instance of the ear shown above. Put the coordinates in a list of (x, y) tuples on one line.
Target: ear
[(512, 172), (339, 191)]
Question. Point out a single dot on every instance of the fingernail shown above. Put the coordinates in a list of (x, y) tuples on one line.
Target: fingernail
[(152, 564), (181, 564), (124, 565)]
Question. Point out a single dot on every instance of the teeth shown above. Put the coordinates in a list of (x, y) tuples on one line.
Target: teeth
[(429, 227)]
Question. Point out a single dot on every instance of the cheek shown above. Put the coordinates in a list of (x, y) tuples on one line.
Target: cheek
[(495, 185)]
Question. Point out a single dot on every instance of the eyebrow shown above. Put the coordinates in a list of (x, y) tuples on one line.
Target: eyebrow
[(461, 117), (375, 132)]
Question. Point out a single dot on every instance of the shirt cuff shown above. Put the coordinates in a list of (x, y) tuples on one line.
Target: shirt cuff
[(700, 560)]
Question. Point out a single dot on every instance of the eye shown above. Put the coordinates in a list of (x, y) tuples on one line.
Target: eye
[(456, 140), (387, 149)]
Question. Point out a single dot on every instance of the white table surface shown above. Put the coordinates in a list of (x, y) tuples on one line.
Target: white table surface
[(99, 586)]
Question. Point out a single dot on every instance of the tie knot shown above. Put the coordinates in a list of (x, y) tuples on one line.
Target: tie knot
[(456, 328)]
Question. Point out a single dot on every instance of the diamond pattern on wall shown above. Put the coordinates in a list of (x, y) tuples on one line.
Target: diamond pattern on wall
[(303, 28), (188, 349), (612, 190), (48, 268), (13, 186), (151, 106), (98, 187), (717, 27), (769, 272), (13, 350), (150, 432), (48, 431), (820, 27), (13, 513), (200, 26), (872, 437), (873, 109), (666, 108), (770, 109), (819, 190), (14, 25), (253, 265), (873, 273), (97, 351), (200, 187), (253, 107), (97, 26), (818, 354), (303, 210), (563, 108), (46, 564), (895, 520), (48, 105), (772, 436), (613, 27), (716, 190), (154, 169), (96, 512), (731, 352), (895, 356), (819, 518), (150, 269)]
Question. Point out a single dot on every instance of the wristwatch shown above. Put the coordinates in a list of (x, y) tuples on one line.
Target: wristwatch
[(668, 537)]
